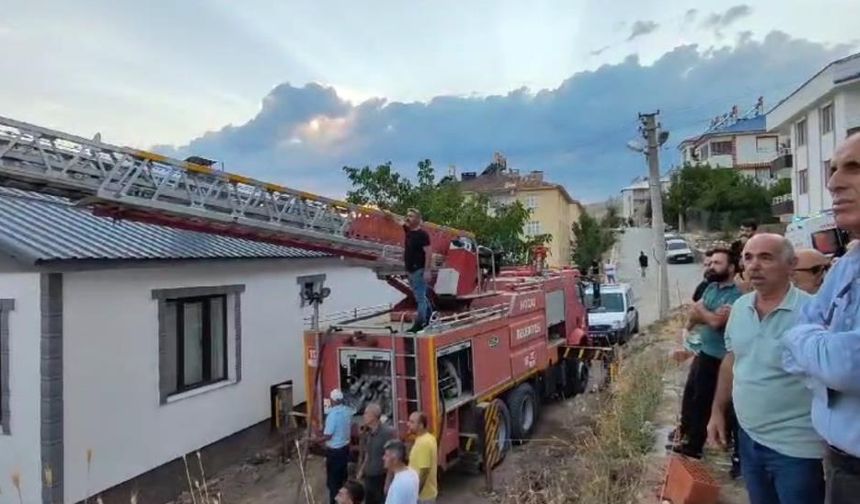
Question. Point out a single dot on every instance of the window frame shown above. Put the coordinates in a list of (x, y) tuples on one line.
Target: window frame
[(721, 143), (826, 112), (168, 384), (531, 202), (801, 126), (207, 343), (803, 181)]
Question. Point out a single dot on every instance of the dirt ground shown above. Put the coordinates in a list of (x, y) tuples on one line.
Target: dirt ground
[(265, 479)]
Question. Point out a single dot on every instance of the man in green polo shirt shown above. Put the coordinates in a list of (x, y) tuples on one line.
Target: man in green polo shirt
[(780, 451), (707, 318)]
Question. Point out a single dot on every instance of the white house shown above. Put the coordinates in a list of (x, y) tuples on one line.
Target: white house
[(636, 197), (817, 116), (139, 343), (740, 142)]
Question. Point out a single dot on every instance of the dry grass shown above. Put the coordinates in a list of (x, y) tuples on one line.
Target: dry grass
[(606, 464)]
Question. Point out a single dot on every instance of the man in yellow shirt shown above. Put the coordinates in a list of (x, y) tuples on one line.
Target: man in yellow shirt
[(423, 458)]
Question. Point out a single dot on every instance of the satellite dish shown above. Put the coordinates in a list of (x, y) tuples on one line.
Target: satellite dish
[(635, 146)]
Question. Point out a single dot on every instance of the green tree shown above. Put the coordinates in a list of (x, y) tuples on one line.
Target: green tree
[(592, 240), (499, 227), (611, 219), (781, 188)]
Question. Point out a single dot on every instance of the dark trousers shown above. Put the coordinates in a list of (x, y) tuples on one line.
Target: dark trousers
[(336, 468), (696, 405), (374, 489), (774, 478), (843, 477)]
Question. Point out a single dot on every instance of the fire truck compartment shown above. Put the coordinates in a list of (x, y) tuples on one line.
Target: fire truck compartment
[(455, 374), (365, 377)]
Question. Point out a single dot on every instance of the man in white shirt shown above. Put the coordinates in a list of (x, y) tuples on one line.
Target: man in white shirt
[(404, 485), (610, 270)]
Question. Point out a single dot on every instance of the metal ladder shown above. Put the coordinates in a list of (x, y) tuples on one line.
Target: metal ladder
[(407, 375), (141, 185)]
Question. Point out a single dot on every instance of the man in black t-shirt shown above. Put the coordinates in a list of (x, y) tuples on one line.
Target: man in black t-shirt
[(418, 258)]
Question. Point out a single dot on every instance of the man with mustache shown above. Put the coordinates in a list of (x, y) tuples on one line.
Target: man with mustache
[(780, 453), (707, 317), (824, 346)]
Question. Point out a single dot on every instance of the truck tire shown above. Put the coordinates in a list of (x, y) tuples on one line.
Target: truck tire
[(582, 378), (523, 406), (569, 377), (497, 433), (636, 326)]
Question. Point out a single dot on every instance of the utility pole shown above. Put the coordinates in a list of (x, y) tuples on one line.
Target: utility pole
[(650, 130)]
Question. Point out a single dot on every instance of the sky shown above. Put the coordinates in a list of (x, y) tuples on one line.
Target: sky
[(291, 91)]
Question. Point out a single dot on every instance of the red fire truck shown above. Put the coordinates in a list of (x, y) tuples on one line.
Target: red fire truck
[(499, 343)]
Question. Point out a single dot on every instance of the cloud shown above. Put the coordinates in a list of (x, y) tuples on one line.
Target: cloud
[(641, 28), (598, 52), (718, 21), (690, 15), (575, 133)]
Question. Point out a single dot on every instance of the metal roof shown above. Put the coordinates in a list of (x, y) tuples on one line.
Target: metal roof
[(39, 228)]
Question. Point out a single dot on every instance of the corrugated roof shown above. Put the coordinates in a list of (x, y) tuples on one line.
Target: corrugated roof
[(40, 228)]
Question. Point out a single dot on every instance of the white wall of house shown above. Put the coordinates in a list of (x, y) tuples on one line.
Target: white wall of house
[(111, 372), (20, 451)]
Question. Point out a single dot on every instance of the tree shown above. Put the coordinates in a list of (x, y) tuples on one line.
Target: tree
[(497, 226), (724, 195), (781, 188), (592, 240), (611, 219)]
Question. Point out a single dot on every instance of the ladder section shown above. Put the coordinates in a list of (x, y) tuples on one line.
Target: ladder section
[(405, 375), (138, 185)]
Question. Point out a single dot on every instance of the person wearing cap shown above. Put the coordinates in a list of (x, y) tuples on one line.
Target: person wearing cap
[(808, 274), (336, 435)]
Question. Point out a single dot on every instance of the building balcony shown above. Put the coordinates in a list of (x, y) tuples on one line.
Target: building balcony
[(782, 205), (782, 161)]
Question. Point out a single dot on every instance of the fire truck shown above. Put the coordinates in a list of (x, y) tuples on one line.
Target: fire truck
[(501, 341)]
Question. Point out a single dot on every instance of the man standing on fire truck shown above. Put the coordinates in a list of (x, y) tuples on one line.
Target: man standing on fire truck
[(418, 256)]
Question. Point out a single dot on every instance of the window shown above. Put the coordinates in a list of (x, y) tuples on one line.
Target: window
[(721, 148), (704, 151), (612, 302), (827, 119), (802, 181), (533, 228), (765, 144), (6, 305), (800, 132), (197, 340), (531, 202)]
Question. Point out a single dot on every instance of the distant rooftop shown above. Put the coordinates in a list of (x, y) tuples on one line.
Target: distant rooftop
[(38, 228), (499, 179), (733, 123)]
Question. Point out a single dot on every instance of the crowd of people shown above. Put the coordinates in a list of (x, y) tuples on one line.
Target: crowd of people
[(388, 470), (774, 337)]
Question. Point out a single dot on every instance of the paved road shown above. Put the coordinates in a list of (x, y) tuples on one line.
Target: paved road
[(683, 278)]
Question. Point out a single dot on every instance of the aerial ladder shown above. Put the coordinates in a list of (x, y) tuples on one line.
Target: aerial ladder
[(132, 184)]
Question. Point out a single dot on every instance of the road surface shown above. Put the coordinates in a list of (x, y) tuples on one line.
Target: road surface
[(683, 278)]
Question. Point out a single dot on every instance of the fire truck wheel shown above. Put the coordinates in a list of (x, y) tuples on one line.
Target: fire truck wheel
[(570, 372), (497, 433), (523, 405), (582, 378)]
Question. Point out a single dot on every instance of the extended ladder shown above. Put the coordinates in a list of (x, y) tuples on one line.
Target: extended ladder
[(138, 185)]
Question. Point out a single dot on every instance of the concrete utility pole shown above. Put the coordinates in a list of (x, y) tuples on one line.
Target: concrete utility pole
[(650, 130)]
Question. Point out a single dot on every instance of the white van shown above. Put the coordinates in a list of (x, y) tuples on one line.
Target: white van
[(615, 317)]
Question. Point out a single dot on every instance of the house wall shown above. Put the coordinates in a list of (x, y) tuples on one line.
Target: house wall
[(553, 212), (20, 448), (849, 116), (748, 150), (111, 371)]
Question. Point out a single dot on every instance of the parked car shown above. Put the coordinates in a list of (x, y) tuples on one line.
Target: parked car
[(614, 318), (677, 251)]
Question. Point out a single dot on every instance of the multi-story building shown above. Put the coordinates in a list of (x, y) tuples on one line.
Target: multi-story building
[(636, 197), (553, 210), (817, 116), (741, 142)]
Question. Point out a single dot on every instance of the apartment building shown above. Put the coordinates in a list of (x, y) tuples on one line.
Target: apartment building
[(636, 197), (737, 141), (817, 116), (553, 209)]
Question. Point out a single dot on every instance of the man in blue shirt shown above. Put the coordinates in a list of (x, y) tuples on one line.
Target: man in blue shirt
[(780, 452), (708, 318), (336, 437), (825, 344)]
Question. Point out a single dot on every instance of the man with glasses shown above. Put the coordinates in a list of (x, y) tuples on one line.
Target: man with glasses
[(808, 275)]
